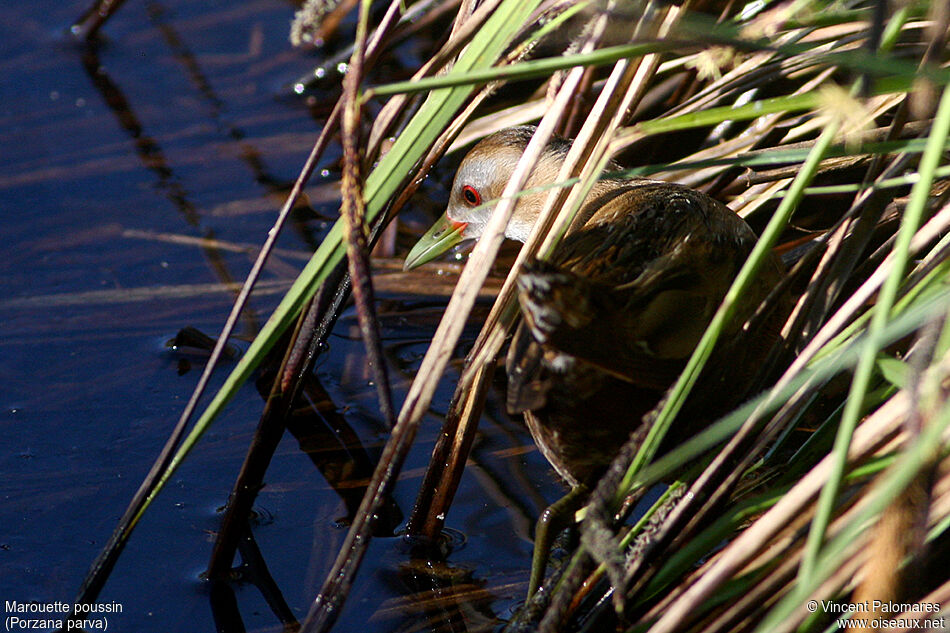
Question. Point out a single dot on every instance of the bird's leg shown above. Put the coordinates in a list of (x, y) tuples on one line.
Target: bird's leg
[(555, 518)]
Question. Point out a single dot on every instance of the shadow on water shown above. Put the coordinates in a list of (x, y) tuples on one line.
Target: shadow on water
[(138, 176)]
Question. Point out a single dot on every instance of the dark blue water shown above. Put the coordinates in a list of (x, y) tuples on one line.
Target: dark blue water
[(115, 162)]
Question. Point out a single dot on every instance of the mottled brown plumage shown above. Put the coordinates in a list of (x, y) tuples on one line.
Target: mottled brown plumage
[(612, 317)]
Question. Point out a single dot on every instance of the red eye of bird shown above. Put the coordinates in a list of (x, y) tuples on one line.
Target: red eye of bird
[(472, 197)]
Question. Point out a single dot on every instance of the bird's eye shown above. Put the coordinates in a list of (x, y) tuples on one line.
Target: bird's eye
[(471, 196)]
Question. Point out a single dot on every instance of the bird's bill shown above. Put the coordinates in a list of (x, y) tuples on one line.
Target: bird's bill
[(443, 235)]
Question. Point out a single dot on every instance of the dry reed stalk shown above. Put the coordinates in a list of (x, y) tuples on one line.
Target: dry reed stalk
[(869, 436)]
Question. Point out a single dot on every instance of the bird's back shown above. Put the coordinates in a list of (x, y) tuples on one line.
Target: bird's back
[(611, 319)]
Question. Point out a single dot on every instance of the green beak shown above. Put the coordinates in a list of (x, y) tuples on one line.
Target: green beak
[(443, 235)]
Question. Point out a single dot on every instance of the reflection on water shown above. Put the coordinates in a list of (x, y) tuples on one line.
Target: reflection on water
[(138, 175)]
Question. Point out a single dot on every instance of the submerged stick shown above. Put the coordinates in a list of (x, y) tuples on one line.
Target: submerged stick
[(445, 468), (313, 330), (354, 226), (93, 19)]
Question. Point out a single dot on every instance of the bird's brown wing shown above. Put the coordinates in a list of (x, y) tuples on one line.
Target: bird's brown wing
[(631, 292), (569, 315)]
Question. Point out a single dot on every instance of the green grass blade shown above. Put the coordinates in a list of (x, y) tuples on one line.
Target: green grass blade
[(725, 312), (908, 465), (780, 156), (523, 70), (926, 306), (755, 109), (882, 312)]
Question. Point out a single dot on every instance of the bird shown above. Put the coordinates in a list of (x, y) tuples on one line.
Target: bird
[(612, 316)]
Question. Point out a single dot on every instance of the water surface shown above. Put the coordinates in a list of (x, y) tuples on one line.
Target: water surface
[(136, 177)]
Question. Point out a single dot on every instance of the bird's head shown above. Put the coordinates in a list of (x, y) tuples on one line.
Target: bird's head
[(479, 182)]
